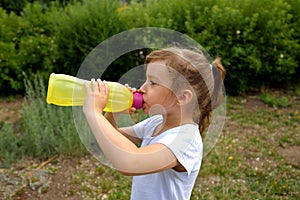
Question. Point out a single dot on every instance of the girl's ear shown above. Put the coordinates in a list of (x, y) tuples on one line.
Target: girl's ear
[(185, 97)]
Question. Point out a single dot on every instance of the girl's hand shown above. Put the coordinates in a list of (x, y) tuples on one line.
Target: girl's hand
[(96, 96)]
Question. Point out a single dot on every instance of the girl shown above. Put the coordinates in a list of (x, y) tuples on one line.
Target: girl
[(164, 152)]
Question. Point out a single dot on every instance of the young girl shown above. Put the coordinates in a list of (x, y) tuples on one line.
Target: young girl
[(164, 152)]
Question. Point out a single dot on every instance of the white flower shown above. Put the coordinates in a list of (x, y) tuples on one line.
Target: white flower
[(238, 32), (281, 55)]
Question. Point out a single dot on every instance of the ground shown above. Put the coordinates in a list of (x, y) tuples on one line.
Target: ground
[(10, 109), (56, 177), (60, 180)]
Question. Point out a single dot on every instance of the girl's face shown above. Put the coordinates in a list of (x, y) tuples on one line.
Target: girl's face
[(157, 90)]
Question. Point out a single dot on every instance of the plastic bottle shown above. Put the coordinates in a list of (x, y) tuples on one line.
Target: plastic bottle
[(65, 90)]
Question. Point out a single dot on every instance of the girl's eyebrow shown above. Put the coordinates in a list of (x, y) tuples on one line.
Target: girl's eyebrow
[(152, 77)]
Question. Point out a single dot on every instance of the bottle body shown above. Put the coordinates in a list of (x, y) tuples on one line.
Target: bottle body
[(65, 90)]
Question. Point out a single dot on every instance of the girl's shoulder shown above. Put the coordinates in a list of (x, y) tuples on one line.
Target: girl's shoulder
[(147, 126), (152, 120)]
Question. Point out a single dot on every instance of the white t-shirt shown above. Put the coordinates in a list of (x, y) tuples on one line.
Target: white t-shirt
[(186, 144)]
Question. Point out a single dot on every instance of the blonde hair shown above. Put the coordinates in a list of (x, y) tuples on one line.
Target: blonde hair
[(204, 77)]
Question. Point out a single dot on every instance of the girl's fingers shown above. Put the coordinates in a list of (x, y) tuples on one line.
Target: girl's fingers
[(132, 89), (106, 87), (87, 86), (93, 84), (103, 86), (99, 83)]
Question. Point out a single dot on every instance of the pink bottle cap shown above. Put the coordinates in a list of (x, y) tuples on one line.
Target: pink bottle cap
[(137, 100)]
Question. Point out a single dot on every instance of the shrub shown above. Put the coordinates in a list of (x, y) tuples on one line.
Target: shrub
[(17, 6), (9, 145), (10, 32), (258, 40), (163, 13), (26, 46), (254, 38), (81, 26), (45, 130)]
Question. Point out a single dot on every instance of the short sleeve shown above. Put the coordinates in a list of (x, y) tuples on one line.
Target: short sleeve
[(146, 127), (186, 144)]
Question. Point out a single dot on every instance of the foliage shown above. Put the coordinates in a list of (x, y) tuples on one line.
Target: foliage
[(26, 46), (49, 129), (255, 40), (258, 40), (275, 101), (45, 130), (9, 144), (81, 26), (17, 6)]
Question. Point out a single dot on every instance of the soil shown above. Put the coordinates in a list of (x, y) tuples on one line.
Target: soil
[(32, 180), (291, 154), (10, 109)]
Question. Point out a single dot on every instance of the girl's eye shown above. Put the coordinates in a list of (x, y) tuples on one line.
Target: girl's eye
[(152, 83)]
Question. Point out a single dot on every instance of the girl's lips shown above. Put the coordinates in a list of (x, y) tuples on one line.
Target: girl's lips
[(144, 105)]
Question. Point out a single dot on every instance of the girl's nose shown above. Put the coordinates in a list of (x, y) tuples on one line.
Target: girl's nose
[(142, 89)]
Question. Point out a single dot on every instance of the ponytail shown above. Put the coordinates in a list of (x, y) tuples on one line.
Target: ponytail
[(216, 95), (219, 76)]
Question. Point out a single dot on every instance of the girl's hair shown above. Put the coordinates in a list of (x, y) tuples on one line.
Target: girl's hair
[(193, 68)]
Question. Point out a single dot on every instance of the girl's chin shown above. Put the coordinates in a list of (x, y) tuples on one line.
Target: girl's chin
[(145, 110)]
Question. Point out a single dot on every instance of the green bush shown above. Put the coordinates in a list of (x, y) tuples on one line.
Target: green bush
[(9, 145), (10, 32), (255, 39), (45, 130), (163, 13), (26, 46), (17, 6), (81, 26), (258, 40)]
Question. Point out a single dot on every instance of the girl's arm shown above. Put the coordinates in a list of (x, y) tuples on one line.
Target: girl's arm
[(123, 154), (126, 131)]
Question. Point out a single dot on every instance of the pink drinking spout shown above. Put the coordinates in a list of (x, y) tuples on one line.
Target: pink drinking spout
[(137, 100)]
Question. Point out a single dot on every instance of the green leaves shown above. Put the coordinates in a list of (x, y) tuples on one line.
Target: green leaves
[(26, 46), (258, 40)]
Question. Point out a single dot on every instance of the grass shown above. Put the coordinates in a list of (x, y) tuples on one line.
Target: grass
[(246, 163), (275, 101)]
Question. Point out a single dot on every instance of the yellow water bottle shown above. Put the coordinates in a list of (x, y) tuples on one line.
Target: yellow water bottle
[(65, 90)]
